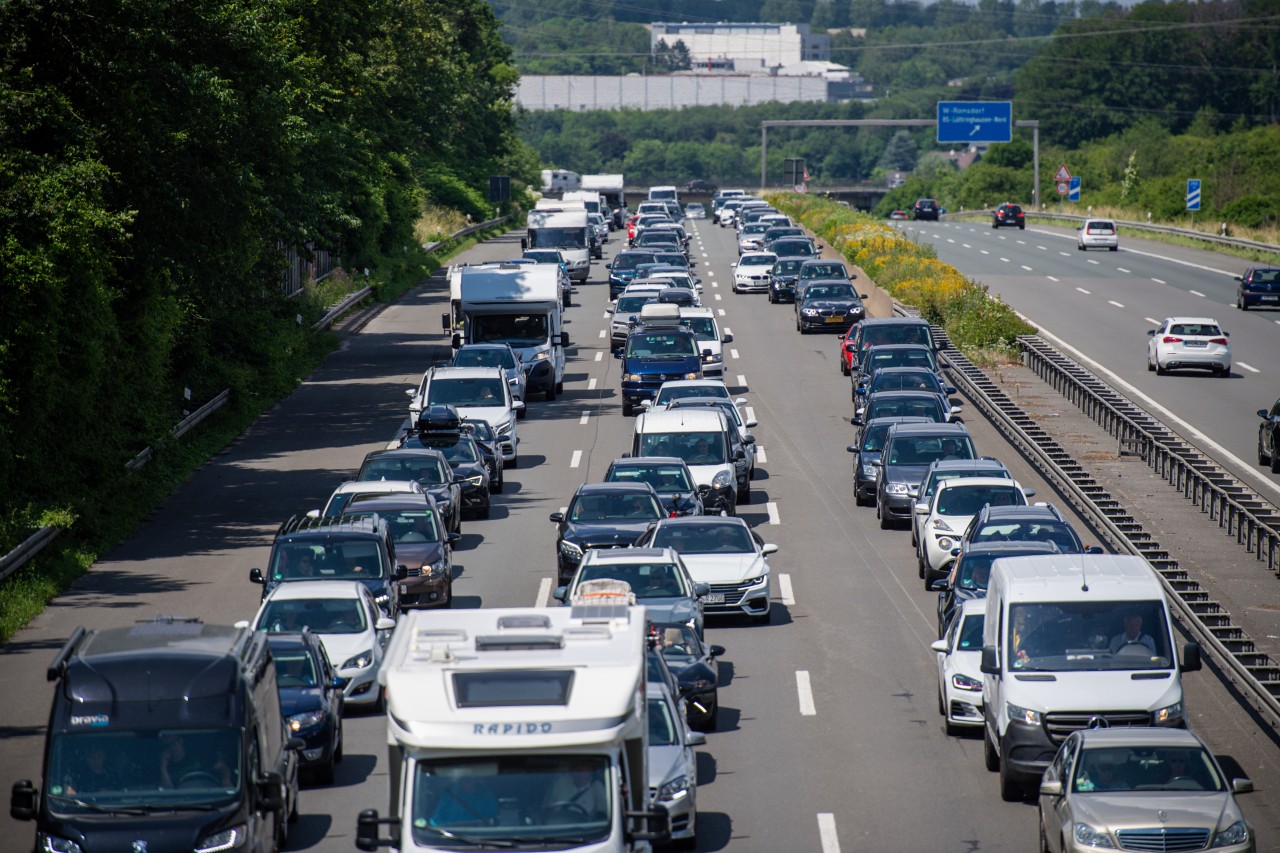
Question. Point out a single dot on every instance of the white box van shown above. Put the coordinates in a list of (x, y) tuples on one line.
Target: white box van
[(701, 438), (1074, 641)]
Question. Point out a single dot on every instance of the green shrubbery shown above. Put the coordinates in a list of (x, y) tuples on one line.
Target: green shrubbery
[(977, 322)]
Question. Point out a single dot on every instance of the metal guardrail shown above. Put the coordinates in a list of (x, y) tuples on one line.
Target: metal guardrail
[(465, 232), (1216, 239), (1240, 512), (1255, 674), (341, 308), (30, 546)]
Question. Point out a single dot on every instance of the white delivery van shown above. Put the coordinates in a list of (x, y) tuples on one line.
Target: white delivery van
[(664, 194), (1074, 641), (612, 190), (522, 728), (701, 438)]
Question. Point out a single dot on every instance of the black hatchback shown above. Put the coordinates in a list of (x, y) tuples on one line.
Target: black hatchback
[(1259, 286), (925, 208), (1008, 214)]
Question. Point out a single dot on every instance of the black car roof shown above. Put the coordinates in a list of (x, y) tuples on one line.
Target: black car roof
[(646, 460), (405, 500)]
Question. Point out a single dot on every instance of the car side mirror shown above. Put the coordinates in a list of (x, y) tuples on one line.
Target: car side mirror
[(852, 448), (24, 799), (1093, 549), (456, 341), (701, 589), (557, 517), (1030, 493), (608, 266), (453, 538), (646, 404), (939, 646), (270, 788), (1262, 413), (939, 585), (951, 389), (715, 651), (517, 405), (696, 739), (856, 420), (400, 573), (560, 593), (1191, 657), (384, 623), (769, 548), (313, 513), (922, 509), (411, 392), (1151, 333), (296, 744), (1050, 788), (564, 340), (1242, 786), (990, 664), (255, 576), (748, 439), (612, 305), (243, 623)]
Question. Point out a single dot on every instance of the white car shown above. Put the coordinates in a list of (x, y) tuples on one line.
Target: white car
[(942, 520), (673, 764), (702, 321), (724, 553), (350, 625), (1097, 234), (479, 394), (959, 655), (752, 272), (674, 389), (1180, 343), (346, 491)]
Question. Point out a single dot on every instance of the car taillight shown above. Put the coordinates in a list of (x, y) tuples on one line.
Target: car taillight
[(1169, 339), (1222, 341)]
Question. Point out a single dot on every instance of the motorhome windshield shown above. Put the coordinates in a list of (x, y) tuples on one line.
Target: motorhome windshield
[(518, 330), (124, 771), (557, 238), (493, 801), (1088, 635)]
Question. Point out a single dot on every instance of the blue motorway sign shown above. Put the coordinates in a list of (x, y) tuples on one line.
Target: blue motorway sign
[(1193, 193), (1073, 189), (975, 121)]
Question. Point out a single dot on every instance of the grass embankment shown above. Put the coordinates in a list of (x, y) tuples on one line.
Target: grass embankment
[(94, 524), (981, 325)]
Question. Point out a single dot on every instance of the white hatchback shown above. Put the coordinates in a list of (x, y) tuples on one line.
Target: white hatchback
[(1180, 343), (753, 271), (959, 654), (1097, 234)]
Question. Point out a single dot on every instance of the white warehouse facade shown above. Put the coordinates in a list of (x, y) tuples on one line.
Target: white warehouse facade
[(770, 45), (664, 92)]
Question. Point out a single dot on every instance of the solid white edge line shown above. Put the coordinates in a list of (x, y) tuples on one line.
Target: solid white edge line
[(1248, 367), (544, 593), (1051, 278), (772, 508), (827, 832), (1159, 281), (805, 691), (785, 593), (1121, 269), (576, 460), (1027, 268), (585, 417)]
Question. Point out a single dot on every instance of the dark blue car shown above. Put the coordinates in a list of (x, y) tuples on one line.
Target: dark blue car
[(653, 355), (310, 700)]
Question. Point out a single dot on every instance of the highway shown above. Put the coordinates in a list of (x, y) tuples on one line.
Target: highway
[(829, 736), (1100, 305)]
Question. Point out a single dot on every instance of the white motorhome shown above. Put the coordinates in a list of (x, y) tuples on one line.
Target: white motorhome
[(1074, 641), (556, 181), (515, 304), (555, 224), (612, 189), (525, 724), (590, 199)]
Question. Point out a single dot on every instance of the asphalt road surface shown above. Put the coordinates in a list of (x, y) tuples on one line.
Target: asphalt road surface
[(829, 735)]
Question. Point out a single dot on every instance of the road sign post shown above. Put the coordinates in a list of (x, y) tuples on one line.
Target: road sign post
[(975, 121)]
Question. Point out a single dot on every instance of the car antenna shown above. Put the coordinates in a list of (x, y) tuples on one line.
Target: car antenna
[(1084, 582)]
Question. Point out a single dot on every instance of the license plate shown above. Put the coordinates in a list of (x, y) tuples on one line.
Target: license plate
[(1271, 299), (1195, 343), (835, 319), (713, 598)]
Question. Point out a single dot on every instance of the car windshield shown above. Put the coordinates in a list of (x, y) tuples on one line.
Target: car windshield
[(758, 260), (667, 393), (410, 526), (1038, 530), (921, 450), (695, 448), (662, 345), (672, 259), (787, 267), (970, 639), (614, 506), (294, 668), (824, 271), (321, 615), (1088, 635), (755, 228), (665, 479), (647, 580), (789, 246), (652, 237), (632, 304), (910, 357), (873, 437), (429, 471), (828, 291), (557, 238), (931, 484), (662, 729), (517, 330), (703, 328), (539, 798), (914, 380), (906, 407), (484, 357), (1162, 768), (969, 500), (332, 558), (466, 393), (892, 333), (97, 771), (704, 538), (455, 450), (975, 571)]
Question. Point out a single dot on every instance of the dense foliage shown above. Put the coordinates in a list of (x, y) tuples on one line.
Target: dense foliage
[(156, 158)]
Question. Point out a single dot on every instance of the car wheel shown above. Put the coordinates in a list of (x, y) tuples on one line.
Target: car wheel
[(990, 758), (1160, 371), (1022, 226), (1263, 459), (1225, 372), (495, 487), (338, 750), (844, 367), (1011, 790), (520, 414), (942, 706), (885, 521), (1114, 248), (920, 567), (1241, 304), (995, 225), (1079, 247), (560, 387), (744, 494), (1150, 366), (858, 499)]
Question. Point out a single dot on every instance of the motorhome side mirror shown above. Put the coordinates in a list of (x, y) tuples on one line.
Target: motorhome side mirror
[(23, 800), (557, 517), (1051, 788), (456, 341), (446, 322), (367, 837), (271, 791), (255, 576), (560, 593), (990, 664), (564, 339), (939, 585), (856, 420), (697, 739), (1191, 657)]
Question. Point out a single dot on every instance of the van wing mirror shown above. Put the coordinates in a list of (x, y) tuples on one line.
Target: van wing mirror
[(990, 661), (255, 576), (564, 339), (1191, 657), (367, 837), (270, 787), (23, 800)]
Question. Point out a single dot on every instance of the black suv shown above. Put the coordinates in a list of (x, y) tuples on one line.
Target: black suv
[(335, 548), (782, 278), (603, 515), (926, 208), (1269, 437), (1008, 214), (1258, 286), (311, 700)]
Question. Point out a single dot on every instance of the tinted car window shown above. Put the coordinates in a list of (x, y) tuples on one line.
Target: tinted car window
[(921, 450), (914, 407), (608, 507)]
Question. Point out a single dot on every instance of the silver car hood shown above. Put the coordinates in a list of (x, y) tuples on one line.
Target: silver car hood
[(1137, 809), (665, 764)]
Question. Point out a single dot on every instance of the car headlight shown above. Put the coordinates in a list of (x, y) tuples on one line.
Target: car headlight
[(541, 356), (1090, 837), (756, 581), (896, 488), (504, 429), (1237, 833), (570, 550), (54, 844), (305, 720), (714, 357), (228, 839), (941, 526), (809, 312), (360, 661), (436, 568), (945, 543), (477, 480), (1023, 715), (382, 600), (721, 480), (632, 377), (1169, 716), (677, 787), (964, 682), (693, 375)]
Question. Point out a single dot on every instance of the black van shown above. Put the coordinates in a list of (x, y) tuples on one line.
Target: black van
[(164, 736)]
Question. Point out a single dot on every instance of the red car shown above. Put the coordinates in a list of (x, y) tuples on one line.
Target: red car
[(1008, 214), (631, 227), (846, 349)]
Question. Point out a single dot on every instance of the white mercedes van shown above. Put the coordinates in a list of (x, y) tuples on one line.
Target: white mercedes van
[(701, 438)]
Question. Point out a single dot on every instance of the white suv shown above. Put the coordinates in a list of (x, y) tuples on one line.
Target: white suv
[(478, 393)]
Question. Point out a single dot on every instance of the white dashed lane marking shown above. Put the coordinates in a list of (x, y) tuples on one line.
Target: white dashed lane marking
[(742, 382), (784, 589), (1095, 263), (827, 832), (733, 353), (805, 691), (1248, 367), (1006, 260), (1113, 302), (720, 311), (1159, 281), (760, 455), (599, 356), (585, 417), (1151, 321), (591, 384), (1082, 290), (984, 251), (576, 460), (1121, 269), (602, 333), (1196, 293), (772, 508), (544, 593)]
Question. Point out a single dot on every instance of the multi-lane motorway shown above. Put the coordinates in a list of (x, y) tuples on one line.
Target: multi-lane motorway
[(829, 735)]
